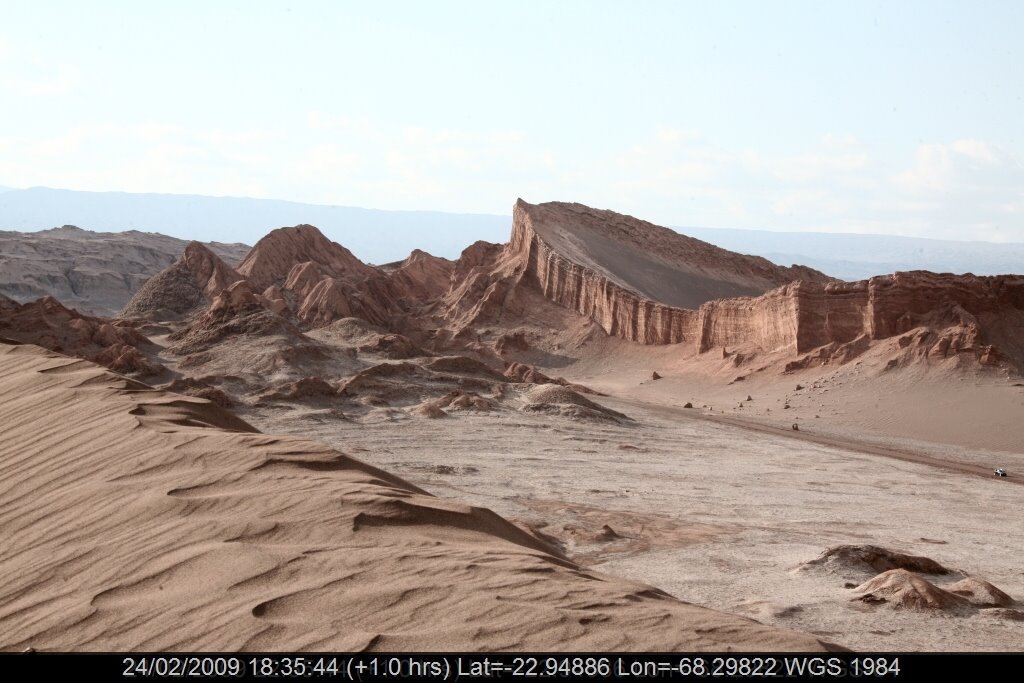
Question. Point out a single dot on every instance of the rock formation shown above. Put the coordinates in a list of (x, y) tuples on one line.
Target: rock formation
[(981, 593), (650, 285), (904, 589), (95, 272), (421, 278), (630, 278), (235, 311), (638, 281), (871, 559), (271, 260), (189, 283), (50, 324)]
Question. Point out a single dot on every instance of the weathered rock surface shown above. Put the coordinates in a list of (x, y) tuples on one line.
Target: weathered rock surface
[(903, 589), (934, 316), (48, 323), (871, 559), (235, 311), (634, 280), (637, 280), (272, 259), (421, 278), (94, 272), (189, 283), (981, 593)]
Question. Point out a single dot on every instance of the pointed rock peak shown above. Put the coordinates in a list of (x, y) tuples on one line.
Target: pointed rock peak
[(418, 256), (273, 257), (190, 282), (199, 251)]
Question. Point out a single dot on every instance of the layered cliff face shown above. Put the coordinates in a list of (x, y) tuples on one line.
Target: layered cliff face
[(189, 283), (636, 280), (650, 285), (947, 314)]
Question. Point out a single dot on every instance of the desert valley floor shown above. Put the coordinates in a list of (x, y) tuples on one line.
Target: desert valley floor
[(724, 512), (601, 435)]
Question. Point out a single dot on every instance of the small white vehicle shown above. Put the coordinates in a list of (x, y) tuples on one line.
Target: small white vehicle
[(999, 472)]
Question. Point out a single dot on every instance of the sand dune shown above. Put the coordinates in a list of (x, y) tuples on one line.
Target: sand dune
[(136, 519)]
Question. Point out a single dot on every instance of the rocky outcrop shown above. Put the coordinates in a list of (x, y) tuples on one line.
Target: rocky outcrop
[(302, 273), (981, 593), (421, 278), (933, 316), (871, 559), (50, 324), (189, 283), (653, 286), (235, 311), (902, 589), (95, 272), (271, 260), (636, 280)]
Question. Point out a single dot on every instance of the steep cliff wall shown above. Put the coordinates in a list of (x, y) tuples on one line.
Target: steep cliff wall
[(956, 313), (633, 278), (625, 274)]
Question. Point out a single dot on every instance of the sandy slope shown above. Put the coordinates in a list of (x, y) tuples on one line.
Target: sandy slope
[(970, 414), (718, 514), (136, 519)]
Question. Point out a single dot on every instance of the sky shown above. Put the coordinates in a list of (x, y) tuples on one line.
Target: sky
[(896, 118)]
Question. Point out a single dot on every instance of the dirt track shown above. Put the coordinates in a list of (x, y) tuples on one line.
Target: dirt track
[(823, 439)]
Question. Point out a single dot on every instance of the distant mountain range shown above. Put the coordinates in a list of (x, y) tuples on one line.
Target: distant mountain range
[(377, 236), (374, 236)]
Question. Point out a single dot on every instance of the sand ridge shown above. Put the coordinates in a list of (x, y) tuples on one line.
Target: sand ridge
[(166, 531)]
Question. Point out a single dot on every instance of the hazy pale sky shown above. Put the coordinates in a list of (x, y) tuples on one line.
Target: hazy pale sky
[(893, 117)]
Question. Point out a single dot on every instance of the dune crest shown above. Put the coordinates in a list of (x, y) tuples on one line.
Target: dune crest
[(158, 529)]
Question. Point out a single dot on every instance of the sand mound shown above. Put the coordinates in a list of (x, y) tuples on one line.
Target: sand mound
[(305, 388), (848, 560), (430, 409), (193, 387), (904, 589), (555, 399), (395, 347), (463, 366), (132, 523), (981, 593)]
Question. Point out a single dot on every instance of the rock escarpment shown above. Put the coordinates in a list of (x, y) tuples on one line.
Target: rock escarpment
[(650, 285), (636, 280), (632, 279)]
